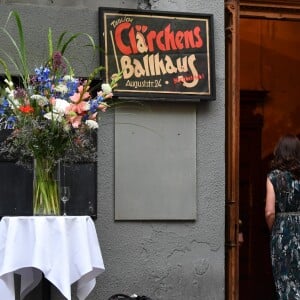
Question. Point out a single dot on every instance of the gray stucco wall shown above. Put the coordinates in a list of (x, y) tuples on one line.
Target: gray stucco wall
[(164, 260)]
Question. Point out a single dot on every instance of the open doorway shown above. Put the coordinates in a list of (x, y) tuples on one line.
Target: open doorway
[(262, 67), (269, 108)]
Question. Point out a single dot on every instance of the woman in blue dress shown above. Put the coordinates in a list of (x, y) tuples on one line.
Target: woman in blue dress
[(282, 213)]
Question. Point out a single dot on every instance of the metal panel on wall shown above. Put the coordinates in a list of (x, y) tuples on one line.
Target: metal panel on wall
[(155, 162)]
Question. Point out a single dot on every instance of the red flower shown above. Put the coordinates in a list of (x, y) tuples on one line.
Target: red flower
[(26, 109)]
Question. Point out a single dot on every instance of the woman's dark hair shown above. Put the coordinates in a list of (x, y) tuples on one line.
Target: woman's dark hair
[(287, 155)]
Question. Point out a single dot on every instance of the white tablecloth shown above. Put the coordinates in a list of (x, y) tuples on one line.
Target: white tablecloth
[(64, 248)]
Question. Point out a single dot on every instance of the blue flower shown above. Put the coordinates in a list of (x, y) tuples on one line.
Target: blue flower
[(2, 110), (42, 74), (72, 86), (4, 106), (94, 106), (100, 98), (11, 122)]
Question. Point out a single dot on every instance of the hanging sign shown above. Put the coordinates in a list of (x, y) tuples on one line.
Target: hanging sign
[(163, 56)]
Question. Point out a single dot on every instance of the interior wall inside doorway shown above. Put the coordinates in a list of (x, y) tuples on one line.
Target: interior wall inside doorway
[(270, 60)]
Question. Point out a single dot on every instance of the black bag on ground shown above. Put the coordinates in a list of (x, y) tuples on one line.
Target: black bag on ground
[(126, 297)]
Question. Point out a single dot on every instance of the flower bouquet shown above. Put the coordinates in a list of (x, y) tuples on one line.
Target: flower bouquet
[(53, 115)]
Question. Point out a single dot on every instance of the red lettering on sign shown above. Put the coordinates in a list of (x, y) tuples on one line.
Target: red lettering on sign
[(132, 39), (125, 49)]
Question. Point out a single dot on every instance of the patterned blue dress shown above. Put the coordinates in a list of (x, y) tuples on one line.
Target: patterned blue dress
[(285, 235)]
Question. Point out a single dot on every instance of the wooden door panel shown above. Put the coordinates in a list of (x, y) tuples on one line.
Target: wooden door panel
[(256, 280)]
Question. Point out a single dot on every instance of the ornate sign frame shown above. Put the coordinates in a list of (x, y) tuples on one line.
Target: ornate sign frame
[(163, 56)]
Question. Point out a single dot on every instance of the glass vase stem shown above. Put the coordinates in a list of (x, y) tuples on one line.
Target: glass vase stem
[(46, 187)]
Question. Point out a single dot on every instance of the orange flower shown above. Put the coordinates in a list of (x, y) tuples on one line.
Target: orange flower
[(26, 109)]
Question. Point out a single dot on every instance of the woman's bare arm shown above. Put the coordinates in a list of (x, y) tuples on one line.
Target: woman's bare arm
[(270, 205)]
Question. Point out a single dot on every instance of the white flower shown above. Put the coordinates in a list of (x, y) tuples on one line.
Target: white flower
[(41, 100), (54, 116), (106, 88), (92, 124), (87, 106), (11, 96), (61, 105), (69, 78), (61, 88), (9, 83)]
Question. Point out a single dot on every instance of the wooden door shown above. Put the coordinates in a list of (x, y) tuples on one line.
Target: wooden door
[(255, 274)]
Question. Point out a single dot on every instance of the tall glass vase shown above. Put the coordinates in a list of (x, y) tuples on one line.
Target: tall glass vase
[(46, 182)]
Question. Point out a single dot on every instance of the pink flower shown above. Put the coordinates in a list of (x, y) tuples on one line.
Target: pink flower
[(93, 116), (75, 121), (103, 106), (108, 96), (79, 108), (80, 96)]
